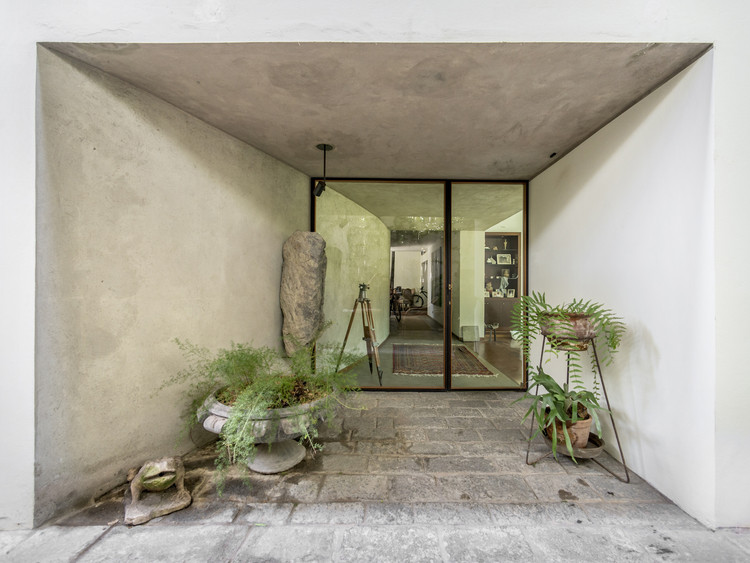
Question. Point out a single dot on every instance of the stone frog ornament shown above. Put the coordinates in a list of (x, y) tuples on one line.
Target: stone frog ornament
[(157, 477)]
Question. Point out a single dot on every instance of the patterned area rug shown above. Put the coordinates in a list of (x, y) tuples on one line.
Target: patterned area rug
[(427, 359)]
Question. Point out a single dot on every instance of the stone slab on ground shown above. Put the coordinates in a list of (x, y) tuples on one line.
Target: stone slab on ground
[(190, 543), (400, 498), (55, 543), (154, 504), (387, 544), (11, 538)]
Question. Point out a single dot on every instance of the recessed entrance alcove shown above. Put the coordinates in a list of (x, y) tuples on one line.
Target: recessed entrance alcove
[(169, 175)]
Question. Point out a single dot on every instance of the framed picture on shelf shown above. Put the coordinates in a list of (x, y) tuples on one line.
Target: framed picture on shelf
[(511, 293), (504, 259), (486, 293)]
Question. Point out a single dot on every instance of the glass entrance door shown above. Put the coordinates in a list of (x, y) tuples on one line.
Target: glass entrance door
[(384, 288), (409, 315), (487, 278)]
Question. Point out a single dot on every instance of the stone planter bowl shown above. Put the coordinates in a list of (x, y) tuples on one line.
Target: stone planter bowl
[(275, 433)]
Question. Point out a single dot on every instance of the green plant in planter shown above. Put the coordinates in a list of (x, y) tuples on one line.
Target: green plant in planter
[(256, 382), (568, 322), (569, 327), (559, 408)]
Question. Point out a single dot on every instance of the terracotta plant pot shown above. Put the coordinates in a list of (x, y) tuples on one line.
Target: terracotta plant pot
[(578, 432), (568, 332)]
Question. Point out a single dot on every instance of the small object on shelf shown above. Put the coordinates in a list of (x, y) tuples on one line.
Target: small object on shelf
[(505, 244), (504, 258)]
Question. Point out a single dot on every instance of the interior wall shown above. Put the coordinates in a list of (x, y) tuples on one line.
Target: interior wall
[(627, 220), (151, 225), (467, 275), (358, 247), (406, 272)]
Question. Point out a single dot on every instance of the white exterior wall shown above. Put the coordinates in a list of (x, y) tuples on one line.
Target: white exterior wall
[(723, 23), (633, 207)]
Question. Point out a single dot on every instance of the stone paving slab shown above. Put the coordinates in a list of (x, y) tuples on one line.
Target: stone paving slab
[(352, 488), (264, 513), (55, 543), (484, 488), (390, 513), (452, 514), (416, 477), (639, 514), (474, 545), (329, 513), (532, 514), (388, 544), (737, 536), (198, 543), (288, 543), (564, 487), (10, 539), (202, 512), (443, 537)]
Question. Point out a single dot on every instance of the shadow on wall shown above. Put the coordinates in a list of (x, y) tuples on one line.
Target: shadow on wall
[(631, 380)]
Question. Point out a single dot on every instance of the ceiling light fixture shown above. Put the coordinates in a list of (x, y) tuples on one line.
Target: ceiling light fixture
[(320, 185)]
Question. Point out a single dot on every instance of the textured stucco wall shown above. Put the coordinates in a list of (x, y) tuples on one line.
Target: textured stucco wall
[(627, 219), (151, 225), (358, 247)]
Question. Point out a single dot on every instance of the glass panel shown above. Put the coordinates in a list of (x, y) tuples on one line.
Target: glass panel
[(384, 243), (487, 277)]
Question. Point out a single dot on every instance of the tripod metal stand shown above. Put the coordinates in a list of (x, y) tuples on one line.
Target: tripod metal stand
[(368, 328)]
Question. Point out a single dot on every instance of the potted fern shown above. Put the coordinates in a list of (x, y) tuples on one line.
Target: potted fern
[(260, 403), (565, 413)]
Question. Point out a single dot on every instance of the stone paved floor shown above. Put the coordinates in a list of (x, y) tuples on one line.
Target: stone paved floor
[(410, 477)]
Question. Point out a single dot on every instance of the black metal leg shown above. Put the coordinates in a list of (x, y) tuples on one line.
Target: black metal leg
[(612, 419), (533, 418)]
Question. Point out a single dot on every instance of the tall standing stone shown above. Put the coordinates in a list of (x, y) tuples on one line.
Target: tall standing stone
[(302, 283)]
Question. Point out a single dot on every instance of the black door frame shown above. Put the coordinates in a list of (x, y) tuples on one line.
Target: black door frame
[(447, 260)]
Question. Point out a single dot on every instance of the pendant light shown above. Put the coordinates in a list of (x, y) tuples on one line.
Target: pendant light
[(320, 185)]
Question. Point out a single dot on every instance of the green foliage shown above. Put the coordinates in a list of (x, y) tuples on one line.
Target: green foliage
[(532, 312), (254, 382), (560, 403), (531, 315)]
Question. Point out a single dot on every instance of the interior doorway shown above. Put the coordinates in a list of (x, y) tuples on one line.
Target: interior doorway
[(437, 295)]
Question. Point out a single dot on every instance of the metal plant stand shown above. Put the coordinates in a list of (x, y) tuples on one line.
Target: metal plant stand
[(589, 341)]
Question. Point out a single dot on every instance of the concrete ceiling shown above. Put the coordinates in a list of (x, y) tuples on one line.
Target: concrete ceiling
[(448, 110)]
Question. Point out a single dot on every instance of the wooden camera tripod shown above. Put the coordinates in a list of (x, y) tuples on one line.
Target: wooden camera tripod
[(368, 328)]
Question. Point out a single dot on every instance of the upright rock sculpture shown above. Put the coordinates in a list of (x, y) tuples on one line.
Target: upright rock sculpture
[(302, 286)]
